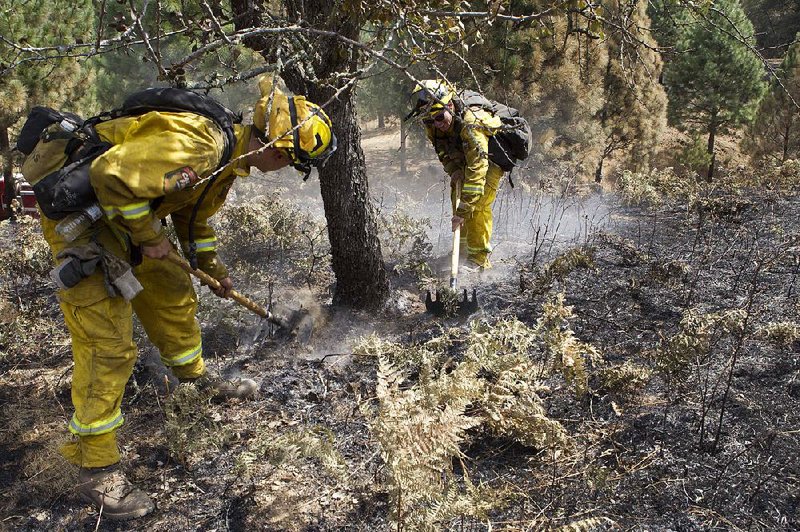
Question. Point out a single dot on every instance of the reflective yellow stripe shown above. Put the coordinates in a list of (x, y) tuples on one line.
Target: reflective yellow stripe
[(135, 210), (181, 359), (472, 189), (129, 212), (98, 427), (203, 244), (471, 249)]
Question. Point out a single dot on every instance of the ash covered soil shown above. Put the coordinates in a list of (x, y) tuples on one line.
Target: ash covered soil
[(649, 450)]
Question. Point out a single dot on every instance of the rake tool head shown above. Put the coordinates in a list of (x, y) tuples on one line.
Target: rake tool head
[(444, 305), (295, 325)]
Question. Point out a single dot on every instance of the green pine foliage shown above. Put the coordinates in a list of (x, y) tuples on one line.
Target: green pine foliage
[(590, 91), (176, 30), (50, 77), (57, 81), (776, 23), (715, 80), (775, 134), (383, 93)]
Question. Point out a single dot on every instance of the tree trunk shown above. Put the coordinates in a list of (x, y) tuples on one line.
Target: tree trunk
[(357, 260), (403, 168), (8, 175), (381, 121), (712, 134), (598, 173), (786, 136)]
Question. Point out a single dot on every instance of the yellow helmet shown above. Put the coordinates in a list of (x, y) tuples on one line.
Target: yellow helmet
[(299, 126), (431, 95)]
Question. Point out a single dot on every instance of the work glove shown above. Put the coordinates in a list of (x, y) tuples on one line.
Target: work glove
[(79, 264), (82, 261), (457, 179)]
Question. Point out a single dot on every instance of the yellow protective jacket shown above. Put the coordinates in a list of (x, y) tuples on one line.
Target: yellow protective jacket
[(167, 155), (465, 146)]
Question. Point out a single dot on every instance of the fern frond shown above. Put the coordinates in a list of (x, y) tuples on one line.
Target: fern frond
[(314, 442), (591, 524)]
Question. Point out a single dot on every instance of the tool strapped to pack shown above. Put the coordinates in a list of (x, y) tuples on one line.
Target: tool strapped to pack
[(511, 144), (171, 100), (72, 144)]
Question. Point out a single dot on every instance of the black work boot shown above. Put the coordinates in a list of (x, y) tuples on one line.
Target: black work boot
[(222, 389), (112, 494)]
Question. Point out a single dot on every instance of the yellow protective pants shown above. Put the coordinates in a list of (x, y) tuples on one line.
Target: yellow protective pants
[(476, 232), (103, 349)]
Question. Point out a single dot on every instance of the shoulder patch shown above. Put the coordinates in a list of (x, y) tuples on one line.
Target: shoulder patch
[(179, 179)]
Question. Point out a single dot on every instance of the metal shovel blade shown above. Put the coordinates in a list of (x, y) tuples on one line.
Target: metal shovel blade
[(442, 306)]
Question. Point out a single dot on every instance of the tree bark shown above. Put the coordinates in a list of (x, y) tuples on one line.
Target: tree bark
[(357, 260), (356, 255), (598, 173), (712, 134), (403, 165), (8, 174), (786, 136)]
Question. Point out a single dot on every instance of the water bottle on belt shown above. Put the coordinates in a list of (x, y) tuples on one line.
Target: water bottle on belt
[(76, 223)]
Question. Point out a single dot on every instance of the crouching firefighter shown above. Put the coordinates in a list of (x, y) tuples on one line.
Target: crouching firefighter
[(165, 153), (477, 140)]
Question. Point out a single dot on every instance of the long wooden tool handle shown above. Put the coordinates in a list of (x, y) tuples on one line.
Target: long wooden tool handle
[(213, 283), (456, 246)]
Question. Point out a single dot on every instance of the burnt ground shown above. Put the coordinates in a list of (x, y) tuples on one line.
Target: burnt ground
[(649, 451)]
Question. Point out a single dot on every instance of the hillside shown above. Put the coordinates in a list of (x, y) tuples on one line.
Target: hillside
[(638, 371)]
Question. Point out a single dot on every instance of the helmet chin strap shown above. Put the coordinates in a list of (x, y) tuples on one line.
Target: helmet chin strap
[(300, 159), (299, 162)]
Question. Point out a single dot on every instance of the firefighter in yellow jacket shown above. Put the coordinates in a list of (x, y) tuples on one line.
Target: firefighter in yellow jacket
[(460, 135), (157, 168)]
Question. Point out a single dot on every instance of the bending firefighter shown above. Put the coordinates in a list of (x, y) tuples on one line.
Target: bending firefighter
[(157, 165), (460, 135)]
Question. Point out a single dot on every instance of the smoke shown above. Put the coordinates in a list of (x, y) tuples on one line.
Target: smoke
[(530, 223)]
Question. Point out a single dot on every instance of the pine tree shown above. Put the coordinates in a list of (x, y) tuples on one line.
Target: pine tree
[(775, 134), (55, 82), (384, 94), (589, 95), (668, 17), (552, 70), (776, 22), (634, 113), (356, 256), (715, 80)]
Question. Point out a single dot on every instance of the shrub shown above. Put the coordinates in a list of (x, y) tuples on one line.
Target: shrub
[(490, 378)]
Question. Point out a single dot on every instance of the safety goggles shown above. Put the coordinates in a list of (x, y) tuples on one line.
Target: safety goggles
[(303, 163), (435, 119)]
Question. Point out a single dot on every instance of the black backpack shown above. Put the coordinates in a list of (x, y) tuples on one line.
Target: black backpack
[(511, 144), (75, 143)]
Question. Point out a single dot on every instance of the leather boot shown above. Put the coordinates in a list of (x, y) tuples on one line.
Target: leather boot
[(222, 389), (112, 494)]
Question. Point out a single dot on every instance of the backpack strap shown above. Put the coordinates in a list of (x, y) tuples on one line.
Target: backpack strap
[(169, 99)]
